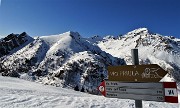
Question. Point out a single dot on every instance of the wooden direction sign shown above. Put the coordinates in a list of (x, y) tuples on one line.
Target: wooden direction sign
[(138, 73), (161, 92)]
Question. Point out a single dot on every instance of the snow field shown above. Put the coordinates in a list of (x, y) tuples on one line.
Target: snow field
[(18, 93)]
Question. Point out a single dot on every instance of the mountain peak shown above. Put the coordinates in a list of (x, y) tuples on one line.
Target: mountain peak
[(73, 34), (139, 30), (136, 32), (142, 29)]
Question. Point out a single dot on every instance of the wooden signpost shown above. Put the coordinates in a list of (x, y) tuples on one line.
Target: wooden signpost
[(138, 73), (138, 82)]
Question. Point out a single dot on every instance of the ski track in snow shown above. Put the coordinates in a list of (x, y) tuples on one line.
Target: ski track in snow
[(18, 93)]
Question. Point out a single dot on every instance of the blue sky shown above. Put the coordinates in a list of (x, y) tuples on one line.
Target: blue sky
[(89, 17)]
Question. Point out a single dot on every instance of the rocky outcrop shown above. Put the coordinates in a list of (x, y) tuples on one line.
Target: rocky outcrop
[(11, 42)]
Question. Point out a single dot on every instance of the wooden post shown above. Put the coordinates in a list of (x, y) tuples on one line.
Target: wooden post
[(135, 61)]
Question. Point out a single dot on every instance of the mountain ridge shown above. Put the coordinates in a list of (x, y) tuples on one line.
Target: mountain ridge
[(70, 60)]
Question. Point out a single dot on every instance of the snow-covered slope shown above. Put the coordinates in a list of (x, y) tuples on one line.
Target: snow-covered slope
[(18, 93), (62, 60), (153, 49), (76, 61)]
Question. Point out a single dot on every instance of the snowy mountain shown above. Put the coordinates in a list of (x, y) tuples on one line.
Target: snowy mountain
[(153, 49), (66, 60), (72, 61)]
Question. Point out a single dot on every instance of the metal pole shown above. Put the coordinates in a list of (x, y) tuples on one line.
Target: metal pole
[(135, 61), (135, 58)]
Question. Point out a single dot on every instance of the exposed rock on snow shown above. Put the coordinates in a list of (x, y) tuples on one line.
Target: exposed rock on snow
[(12, 43)]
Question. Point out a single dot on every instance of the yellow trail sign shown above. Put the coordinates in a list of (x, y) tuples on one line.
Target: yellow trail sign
[(138, 73)]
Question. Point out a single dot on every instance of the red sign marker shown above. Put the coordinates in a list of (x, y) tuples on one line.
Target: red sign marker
[(102, 88), (171, 94)]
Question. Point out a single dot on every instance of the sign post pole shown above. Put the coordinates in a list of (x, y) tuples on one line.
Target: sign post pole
[(135, 61)]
